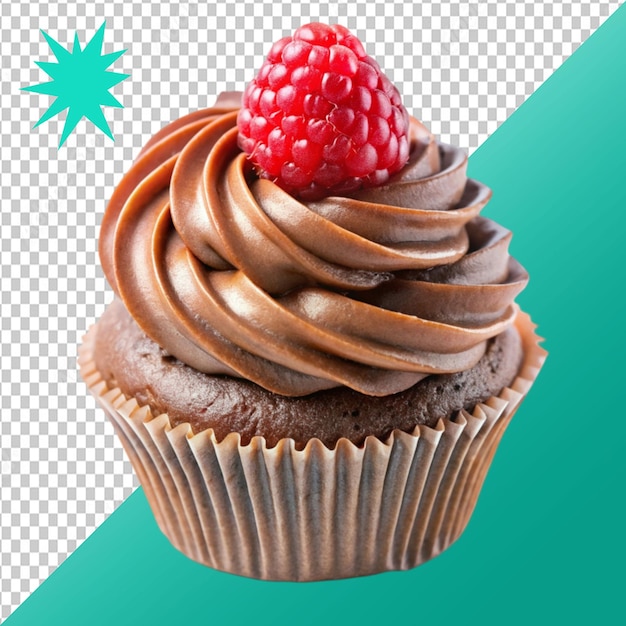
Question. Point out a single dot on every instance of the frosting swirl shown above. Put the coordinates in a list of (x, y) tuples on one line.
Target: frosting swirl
[(231, 275)]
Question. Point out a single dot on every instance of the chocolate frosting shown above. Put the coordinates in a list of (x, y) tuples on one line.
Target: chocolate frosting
[(232, 275)]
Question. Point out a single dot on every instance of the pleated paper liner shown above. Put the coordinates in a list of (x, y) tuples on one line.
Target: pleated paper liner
[(313, 514)]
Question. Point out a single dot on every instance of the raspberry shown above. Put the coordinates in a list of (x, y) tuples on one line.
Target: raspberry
[(321, 118)]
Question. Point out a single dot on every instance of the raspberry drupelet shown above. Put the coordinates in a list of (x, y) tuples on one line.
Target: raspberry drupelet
[(321, 118)]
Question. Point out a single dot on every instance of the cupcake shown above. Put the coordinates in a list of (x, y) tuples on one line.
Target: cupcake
[(314, 348)]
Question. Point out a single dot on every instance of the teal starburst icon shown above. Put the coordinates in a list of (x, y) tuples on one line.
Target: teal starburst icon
[(80, 82)]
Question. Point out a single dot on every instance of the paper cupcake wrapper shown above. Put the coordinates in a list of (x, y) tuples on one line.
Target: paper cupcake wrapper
[(313, 514)]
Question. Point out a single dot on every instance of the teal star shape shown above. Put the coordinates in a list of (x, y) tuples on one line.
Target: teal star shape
[(80, 82)]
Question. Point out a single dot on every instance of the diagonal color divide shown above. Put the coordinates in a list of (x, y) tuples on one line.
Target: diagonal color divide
[(80, 82), (545, 544)]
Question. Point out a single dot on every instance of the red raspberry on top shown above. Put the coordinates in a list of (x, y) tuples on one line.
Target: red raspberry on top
[(321, 118)]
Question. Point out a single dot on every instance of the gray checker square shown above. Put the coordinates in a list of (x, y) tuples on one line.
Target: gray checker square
[(463, 68)]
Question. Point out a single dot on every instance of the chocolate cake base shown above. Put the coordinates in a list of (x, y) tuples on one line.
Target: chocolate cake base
[(127, 359)]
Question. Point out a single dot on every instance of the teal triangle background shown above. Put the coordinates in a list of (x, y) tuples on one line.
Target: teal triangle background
[(545, 544)]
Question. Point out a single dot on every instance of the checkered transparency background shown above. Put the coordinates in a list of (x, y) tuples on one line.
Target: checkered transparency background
[(463, 68)]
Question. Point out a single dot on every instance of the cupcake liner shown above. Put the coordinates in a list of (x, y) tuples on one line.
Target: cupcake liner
[(313, 514)]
